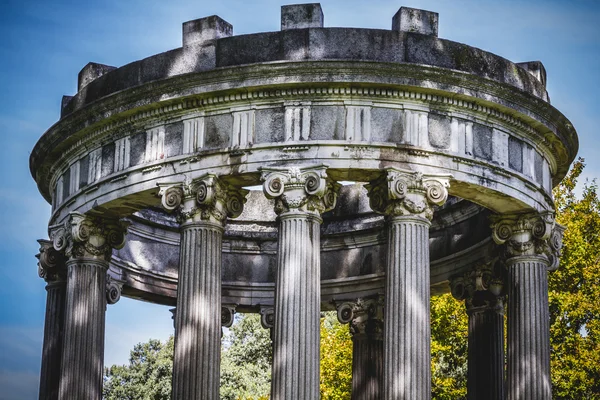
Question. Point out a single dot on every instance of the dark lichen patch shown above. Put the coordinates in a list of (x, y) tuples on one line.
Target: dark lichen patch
[(387, 125), (218, 131), (439, 131), (138, 148), (174, 139), (515, 154), (327, 123), (84, 170), (482, 141), (108, 159), (269, 125)]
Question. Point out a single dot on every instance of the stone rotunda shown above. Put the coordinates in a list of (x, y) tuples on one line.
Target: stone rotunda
[(394, 165)]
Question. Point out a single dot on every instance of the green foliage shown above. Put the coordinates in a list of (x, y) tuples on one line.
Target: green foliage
[(336, 359), (147, 377), (449, 341), (246, 360), (574, 292)]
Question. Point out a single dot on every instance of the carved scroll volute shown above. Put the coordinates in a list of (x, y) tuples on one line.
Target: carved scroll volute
[(267, 317), (228, 315), (51, 262), (399, 192), (365, 317), (532, 234), (554, 248), (113, 290), (82, 236), (300, 188), (205, 198)]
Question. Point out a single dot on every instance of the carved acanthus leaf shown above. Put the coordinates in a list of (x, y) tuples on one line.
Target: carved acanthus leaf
[(82, 236), (51, 262), (531, 234)]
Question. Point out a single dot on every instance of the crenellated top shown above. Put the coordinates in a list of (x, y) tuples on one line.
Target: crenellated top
[(209, 43), (400, 97)]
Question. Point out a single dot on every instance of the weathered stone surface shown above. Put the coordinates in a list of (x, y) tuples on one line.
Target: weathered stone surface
[(205, 30), (535, 68), (89, 73), (300, 16), (414, 20)]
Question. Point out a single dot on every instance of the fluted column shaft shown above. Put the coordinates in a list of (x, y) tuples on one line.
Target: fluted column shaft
[(485, 376), (367, 367), (297, 308), (533, 244), (87, 243), (53, 334), (528, 374), (407, 373), (196, 364), (83, 343), (202, 207)]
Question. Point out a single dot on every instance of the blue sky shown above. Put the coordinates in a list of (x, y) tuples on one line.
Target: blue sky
[(45, 44)]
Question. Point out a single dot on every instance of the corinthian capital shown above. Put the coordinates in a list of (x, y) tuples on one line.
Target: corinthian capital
[(207, 198), (532, 234), (51, 263), (399, 192), (83, 236), (305, 189)]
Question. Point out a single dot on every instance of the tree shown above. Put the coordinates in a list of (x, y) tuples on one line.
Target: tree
[(574, 292), (449, 341), (246, 360), (147, 377), (336, 359), (245, 366)]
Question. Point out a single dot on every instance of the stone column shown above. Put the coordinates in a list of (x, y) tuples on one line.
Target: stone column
[(301, 195), (406, 198), (52, 268), (484, 300), (202, 207), (87, 243), (366, 327), (533, 243)]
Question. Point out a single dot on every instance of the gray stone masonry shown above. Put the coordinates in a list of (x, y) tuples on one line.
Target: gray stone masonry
[(52, 268), (414, 20), (482, 290), (406, 198), (300, 16)]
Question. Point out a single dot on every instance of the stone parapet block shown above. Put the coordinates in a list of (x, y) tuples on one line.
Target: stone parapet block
[(91, 72), (300, 16), (414, 20), (204, 31)]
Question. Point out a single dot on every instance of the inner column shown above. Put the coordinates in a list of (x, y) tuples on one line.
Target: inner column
[(301, 195), (483, 293), (203, 207), (52, 268), (406, 198)]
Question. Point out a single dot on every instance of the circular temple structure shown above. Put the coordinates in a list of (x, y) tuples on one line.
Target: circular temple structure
[(309, 169)]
